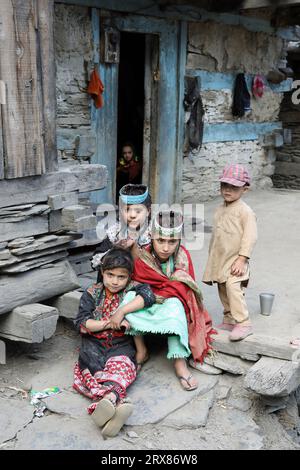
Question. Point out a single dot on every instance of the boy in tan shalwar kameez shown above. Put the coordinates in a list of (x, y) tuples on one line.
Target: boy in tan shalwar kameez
[(233, 238)]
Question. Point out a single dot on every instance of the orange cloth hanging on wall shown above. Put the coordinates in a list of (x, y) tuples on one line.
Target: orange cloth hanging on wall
[(96, 88)]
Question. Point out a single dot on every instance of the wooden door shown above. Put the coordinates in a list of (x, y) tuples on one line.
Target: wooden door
[(163, 149)]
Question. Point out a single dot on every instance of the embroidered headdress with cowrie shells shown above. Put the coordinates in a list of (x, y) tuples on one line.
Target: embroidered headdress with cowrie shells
[(169, 216)]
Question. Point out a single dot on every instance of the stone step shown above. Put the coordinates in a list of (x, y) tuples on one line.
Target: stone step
[(253, 346), (273, 377)]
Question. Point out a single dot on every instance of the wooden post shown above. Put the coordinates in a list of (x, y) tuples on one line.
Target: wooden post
[(48, 80), (21, 115)]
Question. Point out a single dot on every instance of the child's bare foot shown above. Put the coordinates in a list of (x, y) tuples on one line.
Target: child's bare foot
[(188, 382)]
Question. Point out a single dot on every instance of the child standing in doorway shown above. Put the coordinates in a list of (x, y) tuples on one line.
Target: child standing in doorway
[(233, 238)]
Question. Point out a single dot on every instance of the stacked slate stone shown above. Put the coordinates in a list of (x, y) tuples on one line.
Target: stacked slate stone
[(37, 241)]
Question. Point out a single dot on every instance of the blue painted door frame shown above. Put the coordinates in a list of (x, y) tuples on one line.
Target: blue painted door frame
[(170, 119)]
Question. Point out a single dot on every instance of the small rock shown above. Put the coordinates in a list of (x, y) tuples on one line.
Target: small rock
[(149, 445), (289, 417), (132, 434), (222, 392), (240, 403)]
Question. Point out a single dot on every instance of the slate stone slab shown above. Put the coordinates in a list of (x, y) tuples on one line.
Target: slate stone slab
[(157, 392), (231, 364), (60, 433), (68, 403), (193, 415), (15, 414), (273, 377)]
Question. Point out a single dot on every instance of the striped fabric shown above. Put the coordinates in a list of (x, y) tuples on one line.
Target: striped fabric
[(235, 174)]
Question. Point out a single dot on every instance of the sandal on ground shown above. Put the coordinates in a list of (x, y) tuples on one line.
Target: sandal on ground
[(140, 364), (114, 425), (104, 411), (186, 380)]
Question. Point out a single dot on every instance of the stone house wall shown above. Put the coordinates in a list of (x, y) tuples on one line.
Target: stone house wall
[(213, 48), (229, 50)]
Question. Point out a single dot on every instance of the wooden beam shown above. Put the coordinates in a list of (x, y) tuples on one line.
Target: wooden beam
[(30, 323), (250, 4), (231, 132), (82, 178), (48, 80), (36, 285)]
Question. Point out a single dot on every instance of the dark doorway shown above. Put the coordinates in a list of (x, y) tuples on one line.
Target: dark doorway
[(131, 103)]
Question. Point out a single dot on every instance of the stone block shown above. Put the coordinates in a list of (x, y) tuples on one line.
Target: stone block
[(68, 304), (273, 377), (30, 323), (231, 364), (59, 201)]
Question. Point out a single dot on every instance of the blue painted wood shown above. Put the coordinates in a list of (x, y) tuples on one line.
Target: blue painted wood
[(230, 132), (104, 120), (183, 37), (179, 12), (220, 81), (166, 163)]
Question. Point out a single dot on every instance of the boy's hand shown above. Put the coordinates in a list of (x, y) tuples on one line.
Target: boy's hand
[(116, 320), (239, 266)]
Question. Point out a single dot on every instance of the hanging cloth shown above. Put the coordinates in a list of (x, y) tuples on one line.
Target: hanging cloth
[(96, 88), (193, 105), (241, 96), (258, 86)]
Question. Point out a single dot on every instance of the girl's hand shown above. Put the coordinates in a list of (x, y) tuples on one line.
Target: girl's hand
[(125, 324), (239, 266), (128, 243), (116, 320)]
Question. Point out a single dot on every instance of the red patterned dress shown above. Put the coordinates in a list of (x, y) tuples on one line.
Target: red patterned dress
[(106, 360)]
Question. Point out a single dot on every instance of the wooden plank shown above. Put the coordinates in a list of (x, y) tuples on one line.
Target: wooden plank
[(221, 81), (177, 12), (253, 345), (250, 4), (31, 323), (273, 377), (80, 178), (33, 226), (48, 79), (22, 130), (182, 45), (2, 101), (36, 285), (230, 132), (104, 121)]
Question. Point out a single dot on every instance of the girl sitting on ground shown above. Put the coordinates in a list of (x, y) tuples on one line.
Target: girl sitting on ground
[(107, 363), (167, 267)]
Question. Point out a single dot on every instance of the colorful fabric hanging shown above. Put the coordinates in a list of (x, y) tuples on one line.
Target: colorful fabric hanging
[(96, 88)]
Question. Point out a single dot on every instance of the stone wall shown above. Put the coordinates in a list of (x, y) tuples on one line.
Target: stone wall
[(74, 53), (287, 166), (230, 49)]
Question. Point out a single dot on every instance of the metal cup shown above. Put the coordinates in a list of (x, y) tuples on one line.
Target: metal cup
[(266, 302)]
